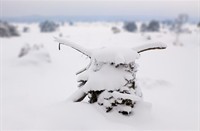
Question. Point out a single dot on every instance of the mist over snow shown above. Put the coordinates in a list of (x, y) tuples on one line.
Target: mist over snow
[(97, 10), (37, 79)]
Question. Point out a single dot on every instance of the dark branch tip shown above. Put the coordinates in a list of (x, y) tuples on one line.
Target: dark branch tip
[(59, 46)]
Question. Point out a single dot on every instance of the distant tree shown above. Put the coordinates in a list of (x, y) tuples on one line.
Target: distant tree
[(130, 26), (153, 26), (179, 21), (198, 24), (62, 23), (7, 30), (48, 26), (71, 23), (143, 27), (167, 22)]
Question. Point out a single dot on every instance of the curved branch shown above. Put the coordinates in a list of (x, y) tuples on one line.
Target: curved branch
[(78, 96), (84, 69), (74, 46), (152, 46)]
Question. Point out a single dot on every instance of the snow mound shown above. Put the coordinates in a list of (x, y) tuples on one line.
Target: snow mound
[(35, 54), (115, 55), (108, 78)]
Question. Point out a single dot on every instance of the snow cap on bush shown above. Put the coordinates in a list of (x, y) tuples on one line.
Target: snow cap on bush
[(110, 77)]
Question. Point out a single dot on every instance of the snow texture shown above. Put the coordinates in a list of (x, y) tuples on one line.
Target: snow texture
[(115, 55)]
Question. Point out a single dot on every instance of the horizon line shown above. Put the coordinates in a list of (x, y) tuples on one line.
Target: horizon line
[(39, 18)]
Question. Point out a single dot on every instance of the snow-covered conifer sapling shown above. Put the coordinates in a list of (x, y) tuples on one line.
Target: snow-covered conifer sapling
[(110, 77)]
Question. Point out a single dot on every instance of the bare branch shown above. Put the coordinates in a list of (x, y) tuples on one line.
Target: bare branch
[(152, 46), (74, 46), (84, 69), (59, 46), (151, 49)]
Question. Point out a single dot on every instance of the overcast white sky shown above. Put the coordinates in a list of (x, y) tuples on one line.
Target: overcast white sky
[(154, 8)]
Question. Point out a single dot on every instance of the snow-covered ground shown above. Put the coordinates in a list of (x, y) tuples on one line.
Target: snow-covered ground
[(35, 88)]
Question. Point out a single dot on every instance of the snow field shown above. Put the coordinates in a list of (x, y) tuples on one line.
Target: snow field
[(34, 95)]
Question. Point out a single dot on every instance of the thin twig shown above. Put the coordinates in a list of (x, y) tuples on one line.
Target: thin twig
[(151, 49), (59, 46)]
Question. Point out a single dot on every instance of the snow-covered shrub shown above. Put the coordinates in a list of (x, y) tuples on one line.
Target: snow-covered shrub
[(130, 26), (7, 30), (24, 50), (34, 54), (147, 37), (26, 29), (60, 34), (110, 78), (115, 30), (48, 26), (153, 26), (113, 83)]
